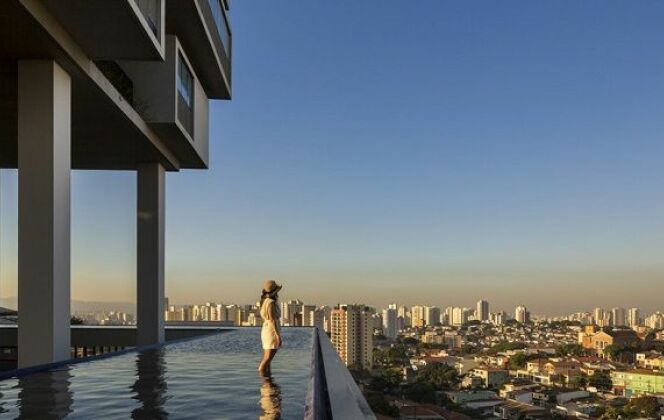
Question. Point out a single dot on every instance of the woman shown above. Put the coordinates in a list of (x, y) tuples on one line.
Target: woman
[(270, 334)]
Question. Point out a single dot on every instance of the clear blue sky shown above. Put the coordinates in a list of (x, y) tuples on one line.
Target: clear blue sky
[(423, 151)]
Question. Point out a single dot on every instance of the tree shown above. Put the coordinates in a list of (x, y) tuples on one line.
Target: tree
[(578, 382), (643, 407), (506, 346), (379, 404), (518, 361), (392, 377), (571, 349), (600, 380), (421, 392), (623, 354), (410, 341), (438, 375)]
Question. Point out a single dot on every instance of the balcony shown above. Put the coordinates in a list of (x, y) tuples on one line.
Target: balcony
[(126, 29), (203, 28), (205, 377), (170, 97)]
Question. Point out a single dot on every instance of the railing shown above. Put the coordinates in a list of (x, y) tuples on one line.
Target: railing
[(151, 10)]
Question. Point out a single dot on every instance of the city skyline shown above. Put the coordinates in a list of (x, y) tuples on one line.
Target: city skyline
[(520, 166)]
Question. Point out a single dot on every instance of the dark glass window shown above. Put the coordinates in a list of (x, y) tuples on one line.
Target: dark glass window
[(185, 88), (151, 10)]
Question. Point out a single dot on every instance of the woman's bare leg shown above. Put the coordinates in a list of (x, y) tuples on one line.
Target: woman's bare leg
[(270, 356), (264, 365)]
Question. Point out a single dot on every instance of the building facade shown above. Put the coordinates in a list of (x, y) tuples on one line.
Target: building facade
[(117, 85), (352, 335)]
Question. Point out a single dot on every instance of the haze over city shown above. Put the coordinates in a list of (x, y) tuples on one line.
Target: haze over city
[(517, 158)]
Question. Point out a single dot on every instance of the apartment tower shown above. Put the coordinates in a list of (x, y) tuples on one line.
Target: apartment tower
[(352, 335)]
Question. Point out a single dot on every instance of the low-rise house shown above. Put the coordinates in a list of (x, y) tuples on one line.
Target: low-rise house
[(519, 410), (637, 382), (539, 377), (470, 381), (517, 384), (491, 377), (650, 360), (465, 397)]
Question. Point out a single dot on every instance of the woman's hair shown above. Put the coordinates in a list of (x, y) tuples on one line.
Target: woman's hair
[(272, 295)]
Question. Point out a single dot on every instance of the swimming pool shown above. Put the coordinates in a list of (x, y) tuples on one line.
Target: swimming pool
[(210, 377)]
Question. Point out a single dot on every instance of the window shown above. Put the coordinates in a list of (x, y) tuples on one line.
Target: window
[(151, 10), (219, 16), (185, 88)]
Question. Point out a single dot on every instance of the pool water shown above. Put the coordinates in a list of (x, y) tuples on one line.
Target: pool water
[(212, 377)]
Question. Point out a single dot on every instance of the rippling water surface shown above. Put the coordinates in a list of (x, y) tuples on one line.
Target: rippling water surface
[(212, 377)]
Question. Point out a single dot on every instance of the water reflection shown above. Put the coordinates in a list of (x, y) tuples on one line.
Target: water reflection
[(45, 395), (150, 387), (270, 399)]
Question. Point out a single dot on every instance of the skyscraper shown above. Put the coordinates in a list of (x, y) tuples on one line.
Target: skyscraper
[(598, 315), (404, 314), (417, 316), (482, 312), (521, 314), (431, 315), (390, 323), (459, 316), (633, 317), (619, 319), (352, 335)]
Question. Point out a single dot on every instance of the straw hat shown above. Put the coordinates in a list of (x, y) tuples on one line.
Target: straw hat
[(271, 286)]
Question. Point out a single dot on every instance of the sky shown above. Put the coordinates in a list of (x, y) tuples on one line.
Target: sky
[(429, 151)]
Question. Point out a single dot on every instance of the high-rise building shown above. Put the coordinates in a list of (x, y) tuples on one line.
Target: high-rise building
[(482, 311), (459, 316), (633, 317), (352, 335), (448, 315), (318, 319), (390, 323), (289, 311), (498, 318), (618, 316), (234, 314), (655, 321), (431, 315), (404, 313), (307, 315), (417, 316), (598, 315), (327, 318), (521, 314)]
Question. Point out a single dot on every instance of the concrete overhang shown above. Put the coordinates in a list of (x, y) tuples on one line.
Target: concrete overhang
[(117, 29), (194, 25), (107, 132)]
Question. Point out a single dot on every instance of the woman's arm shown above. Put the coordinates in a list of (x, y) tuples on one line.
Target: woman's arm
[(275, 322)]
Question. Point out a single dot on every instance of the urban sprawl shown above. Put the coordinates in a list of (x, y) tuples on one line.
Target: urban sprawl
[(457, 362)]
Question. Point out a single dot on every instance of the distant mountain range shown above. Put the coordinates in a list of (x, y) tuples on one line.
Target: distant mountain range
[(83, 306)]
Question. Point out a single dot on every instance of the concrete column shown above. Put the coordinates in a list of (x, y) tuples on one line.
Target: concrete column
[(44, 167), (150, 258)]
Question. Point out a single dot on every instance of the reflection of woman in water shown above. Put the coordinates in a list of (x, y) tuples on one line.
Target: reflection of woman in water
[(270, 400), (270, 334)]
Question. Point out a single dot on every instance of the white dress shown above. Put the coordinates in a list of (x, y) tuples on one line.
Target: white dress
[(270, 312)]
